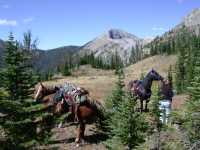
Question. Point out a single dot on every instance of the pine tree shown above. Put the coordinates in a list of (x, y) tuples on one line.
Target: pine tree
[(181, 72), (138, 52), (170, 76), (131, 128), (114, 101), (155, 112), (133, 55), (19, 122), (66, 69), (173, 50), (142, 75), (192, 123), (48, 75)]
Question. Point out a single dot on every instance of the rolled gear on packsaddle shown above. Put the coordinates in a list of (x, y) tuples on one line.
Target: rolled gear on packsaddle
[(59, 95), (72, 95), (64, 92), (80, 96)]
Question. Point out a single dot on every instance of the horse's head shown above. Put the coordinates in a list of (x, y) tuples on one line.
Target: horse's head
[(155, 75), (41, 91)]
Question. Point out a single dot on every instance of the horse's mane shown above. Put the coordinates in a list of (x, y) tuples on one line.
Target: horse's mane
[(48, 86)]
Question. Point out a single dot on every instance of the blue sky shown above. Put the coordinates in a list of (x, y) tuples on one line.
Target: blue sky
[(74, 22)]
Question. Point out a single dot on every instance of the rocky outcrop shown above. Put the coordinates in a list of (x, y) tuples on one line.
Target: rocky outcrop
[(112, 42)]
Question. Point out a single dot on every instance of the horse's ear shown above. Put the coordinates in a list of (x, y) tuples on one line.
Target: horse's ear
[(41, 84), (56, 88)]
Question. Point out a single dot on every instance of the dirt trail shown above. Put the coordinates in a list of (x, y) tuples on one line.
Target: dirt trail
[(63, 139)]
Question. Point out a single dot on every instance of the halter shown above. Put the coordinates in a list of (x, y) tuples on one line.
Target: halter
[(38, 92)]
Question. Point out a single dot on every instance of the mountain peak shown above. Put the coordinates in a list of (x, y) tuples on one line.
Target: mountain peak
[(193, 18), (112, 41), (119, 34)]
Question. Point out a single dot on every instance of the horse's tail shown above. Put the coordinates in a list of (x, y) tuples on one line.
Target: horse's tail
[(130, 84)]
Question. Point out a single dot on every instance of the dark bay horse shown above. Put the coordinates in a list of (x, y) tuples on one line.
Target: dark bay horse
[(88, 112), (142, 88)]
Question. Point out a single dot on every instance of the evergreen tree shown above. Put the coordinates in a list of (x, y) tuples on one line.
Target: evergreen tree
[(131, 128), (181, 72), (155, 115), (142, 75), (49, 75), (170, 76), (29, 44), (192, 123), (155, 112), (138, 52), (19, 122), (66, 69), (173, 50), (118, 93), (18, 76), (133, 55)]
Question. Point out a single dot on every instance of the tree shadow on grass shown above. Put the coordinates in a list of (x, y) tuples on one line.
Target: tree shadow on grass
[(95, 138)]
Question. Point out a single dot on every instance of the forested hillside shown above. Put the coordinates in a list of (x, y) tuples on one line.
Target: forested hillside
[(116, 92)]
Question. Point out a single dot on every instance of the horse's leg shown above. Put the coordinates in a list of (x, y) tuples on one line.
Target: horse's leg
[(77, 140), (60, 124), (146, 105), (82, 130), (141, 105), (80, 133)]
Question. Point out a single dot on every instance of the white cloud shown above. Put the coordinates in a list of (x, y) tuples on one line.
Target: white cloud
[(5, 22), (158, 29), (6, 6), (27, 20)]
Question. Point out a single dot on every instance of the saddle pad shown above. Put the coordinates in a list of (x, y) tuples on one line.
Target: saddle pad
[(58, 96)]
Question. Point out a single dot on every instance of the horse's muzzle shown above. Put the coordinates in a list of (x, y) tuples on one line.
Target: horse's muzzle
[(37, 101)]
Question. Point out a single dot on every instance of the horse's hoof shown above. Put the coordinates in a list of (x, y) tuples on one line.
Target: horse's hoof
[(60, 125), (77, 145), (138, 109)]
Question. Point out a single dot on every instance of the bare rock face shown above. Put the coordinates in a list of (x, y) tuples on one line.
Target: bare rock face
[(192, 19), (111, 42)]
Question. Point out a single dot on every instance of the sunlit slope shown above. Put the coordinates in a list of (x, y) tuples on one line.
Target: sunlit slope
[(101, 82)]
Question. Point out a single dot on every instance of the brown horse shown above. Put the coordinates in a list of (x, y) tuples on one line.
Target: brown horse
[(88, 112)]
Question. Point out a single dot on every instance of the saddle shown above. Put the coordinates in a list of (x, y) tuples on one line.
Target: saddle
[(140, 91), (71, 96), (75, 99)]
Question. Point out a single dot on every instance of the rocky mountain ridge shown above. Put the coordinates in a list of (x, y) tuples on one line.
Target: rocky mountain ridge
[(111, 42)]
